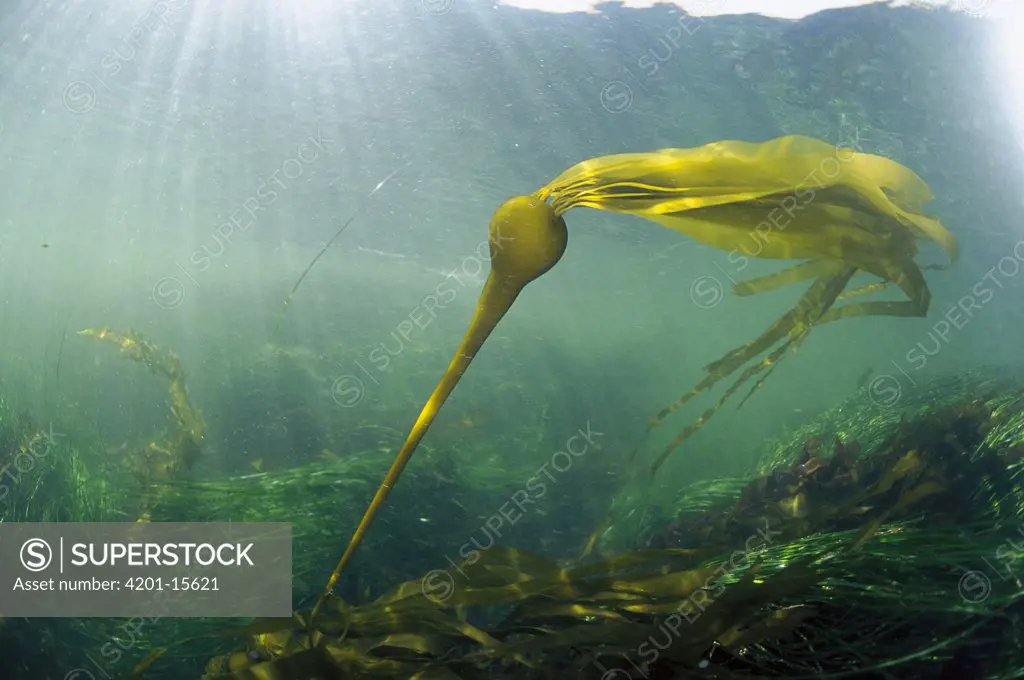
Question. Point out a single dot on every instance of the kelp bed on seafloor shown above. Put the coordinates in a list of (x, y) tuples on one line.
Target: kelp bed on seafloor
[(901, 561), (892, 553)]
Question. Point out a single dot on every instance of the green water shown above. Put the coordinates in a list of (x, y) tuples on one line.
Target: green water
[(172, 167)]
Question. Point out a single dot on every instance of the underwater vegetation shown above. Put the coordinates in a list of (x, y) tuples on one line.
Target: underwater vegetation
[(839, 210), (800, 528), (868, 543), (824, 567), (825, 563), (177, 450)]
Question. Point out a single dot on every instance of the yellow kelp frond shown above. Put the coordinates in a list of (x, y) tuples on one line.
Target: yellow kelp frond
[(791, 198), (793, 171), (674, 180)]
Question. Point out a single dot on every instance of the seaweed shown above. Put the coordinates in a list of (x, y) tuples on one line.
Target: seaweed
[(791, 198), (610, 608), (845, 212), (826, 566), (175, 452)]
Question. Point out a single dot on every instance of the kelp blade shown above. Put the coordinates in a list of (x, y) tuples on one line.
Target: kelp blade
[(669, 182)]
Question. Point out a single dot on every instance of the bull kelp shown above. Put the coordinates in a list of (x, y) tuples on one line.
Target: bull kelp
[(847, 212)]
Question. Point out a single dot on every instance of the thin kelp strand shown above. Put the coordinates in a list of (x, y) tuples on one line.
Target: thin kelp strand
[(657, 419), (723, 367), (691, 429), (605, 192), (795, 274), (338, 233), (797, 322), (568, 189), (865, 290), (787, 349)]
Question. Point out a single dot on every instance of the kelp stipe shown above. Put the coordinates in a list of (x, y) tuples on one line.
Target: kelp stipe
[(526, 239)]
